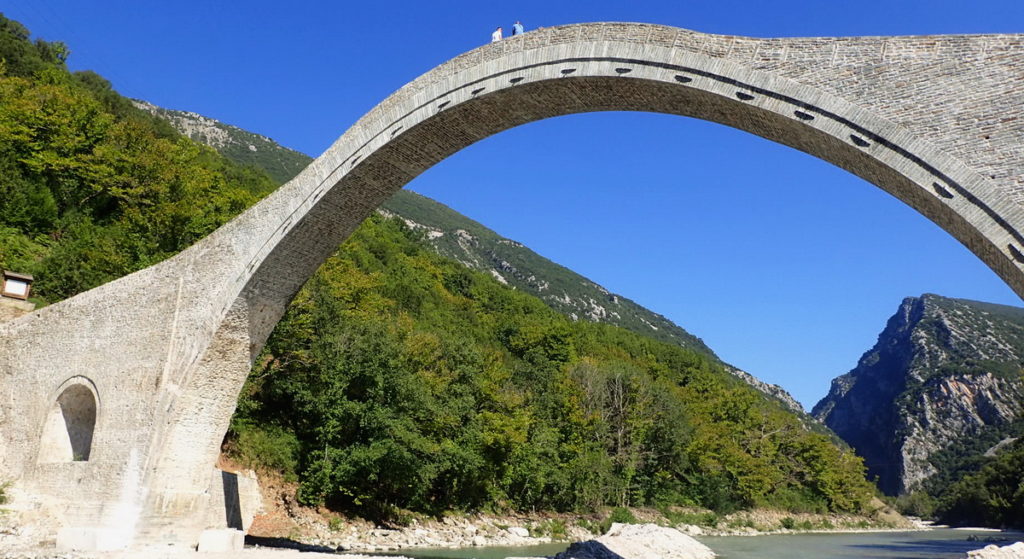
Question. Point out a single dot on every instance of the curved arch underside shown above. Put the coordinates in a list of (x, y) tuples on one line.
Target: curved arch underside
[(508, 84), (935, 121)]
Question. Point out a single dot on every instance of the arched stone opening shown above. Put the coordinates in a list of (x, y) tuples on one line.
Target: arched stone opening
[(70, 424)]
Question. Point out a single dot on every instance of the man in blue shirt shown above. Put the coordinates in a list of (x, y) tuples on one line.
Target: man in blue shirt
[(517, 28)]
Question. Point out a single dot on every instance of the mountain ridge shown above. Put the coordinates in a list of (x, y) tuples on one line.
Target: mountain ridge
[(940, 387)]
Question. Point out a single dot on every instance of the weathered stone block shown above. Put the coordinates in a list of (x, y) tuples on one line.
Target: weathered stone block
[(221, 540)]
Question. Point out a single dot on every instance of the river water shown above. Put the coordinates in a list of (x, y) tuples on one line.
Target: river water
[(938, 543), (931, 544)]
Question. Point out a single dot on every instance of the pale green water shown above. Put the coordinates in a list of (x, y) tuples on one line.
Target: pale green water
[(937, 544), (932, 544)]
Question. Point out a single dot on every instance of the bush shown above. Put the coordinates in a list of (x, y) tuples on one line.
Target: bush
[(798, 500), (677, 517), (590, 526), (553, 528), (620, 515), (267, 448), (918, 503), (741, 522), (788, 523)]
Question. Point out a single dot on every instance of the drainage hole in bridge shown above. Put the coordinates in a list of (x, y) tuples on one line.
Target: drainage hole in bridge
[(355, 160), (803, 116), (478, 90), (941, 190), (744, 96), (567, 71), (516, 79), (395, 131), (683, 79), (860, 142), (1016, 253), (443, 105), (623, 70)]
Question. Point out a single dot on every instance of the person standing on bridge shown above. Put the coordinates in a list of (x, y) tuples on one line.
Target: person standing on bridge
[(496, 36), (517, 28)]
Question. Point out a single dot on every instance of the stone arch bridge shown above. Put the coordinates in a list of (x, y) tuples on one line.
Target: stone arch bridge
[(113, 403)]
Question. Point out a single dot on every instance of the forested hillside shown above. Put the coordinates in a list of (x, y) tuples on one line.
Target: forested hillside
[(93, 188), (992, 496), (399, 380)]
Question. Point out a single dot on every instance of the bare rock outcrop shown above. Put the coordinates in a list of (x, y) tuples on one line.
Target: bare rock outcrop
[(944, 372)]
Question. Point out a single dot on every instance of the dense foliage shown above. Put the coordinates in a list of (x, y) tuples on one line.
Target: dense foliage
[(402, 380), (993, 496), (93, 188), (980, 481)]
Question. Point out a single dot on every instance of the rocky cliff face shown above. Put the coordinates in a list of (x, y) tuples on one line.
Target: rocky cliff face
[(944, 377)]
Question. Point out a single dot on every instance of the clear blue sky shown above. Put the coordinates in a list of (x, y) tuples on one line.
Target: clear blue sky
[(786, 266)]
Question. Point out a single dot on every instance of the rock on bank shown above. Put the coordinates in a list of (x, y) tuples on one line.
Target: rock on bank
[(1012, 551), (639, 541)]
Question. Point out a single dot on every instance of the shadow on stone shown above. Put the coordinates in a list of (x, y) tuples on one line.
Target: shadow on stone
[(591, 549), (285, 543), (639, 541), (232, 500)]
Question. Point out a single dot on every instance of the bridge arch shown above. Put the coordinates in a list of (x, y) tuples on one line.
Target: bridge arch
[(900, 112), (462, 102), (620, 67)]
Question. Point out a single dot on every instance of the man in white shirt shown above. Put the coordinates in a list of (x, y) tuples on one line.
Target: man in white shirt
[(496, 36)]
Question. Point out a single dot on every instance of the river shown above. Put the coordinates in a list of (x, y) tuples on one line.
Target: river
[(932, 544)]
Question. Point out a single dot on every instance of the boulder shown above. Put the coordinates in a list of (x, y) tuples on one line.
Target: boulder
[(690, 530), (221, 540), (639, 541), (519, 532), (1012, 551)]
